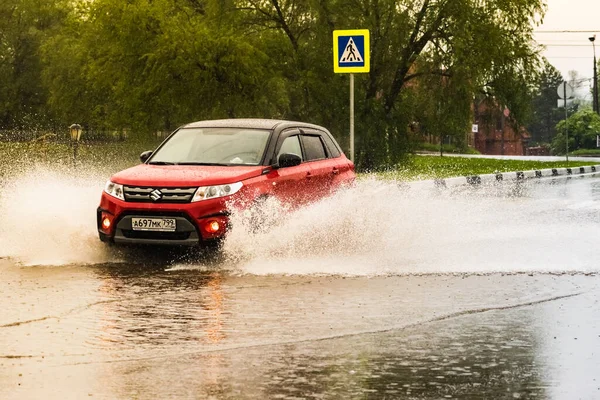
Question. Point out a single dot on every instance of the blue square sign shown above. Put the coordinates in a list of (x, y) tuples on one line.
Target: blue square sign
[(351, 51)]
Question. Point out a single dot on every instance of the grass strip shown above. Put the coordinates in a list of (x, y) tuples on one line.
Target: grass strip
[(435, 167)]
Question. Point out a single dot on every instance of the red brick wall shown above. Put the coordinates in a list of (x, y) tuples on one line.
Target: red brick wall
[(499, 137)]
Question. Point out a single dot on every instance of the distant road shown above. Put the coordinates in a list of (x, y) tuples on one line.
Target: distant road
[(524, 158)]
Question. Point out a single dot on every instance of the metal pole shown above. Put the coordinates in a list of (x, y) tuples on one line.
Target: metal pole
[(352, 117), (595, 90), (566, 118), (595, 106), (74, 154)]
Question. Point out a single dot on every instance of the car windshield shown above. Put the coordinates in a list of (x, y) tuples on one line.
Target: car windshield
[(213, 146)]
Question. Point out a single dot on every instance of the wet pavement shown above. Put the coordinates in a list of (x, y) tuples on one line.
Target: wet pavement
[(467, 295), (127, 331)]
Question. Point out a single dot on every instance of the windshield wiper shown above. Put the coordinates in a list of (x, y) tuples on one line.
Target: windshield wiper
[(186, 163), (162, 163), (201, 163)]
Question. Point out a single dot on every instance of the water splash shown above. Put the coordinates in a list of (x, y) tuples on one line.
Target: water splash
[(380, 228), (48, 217), (375, 228)]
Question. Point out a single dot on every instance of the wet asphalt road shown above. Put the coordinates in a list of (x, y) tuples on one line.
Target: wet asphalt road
[(506, 305), (124, 331)]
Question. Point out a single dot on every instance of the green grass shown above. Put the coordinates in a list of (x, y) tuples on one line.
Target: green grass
[(102, 157), (446, 148), (586, 152), (432, 167)]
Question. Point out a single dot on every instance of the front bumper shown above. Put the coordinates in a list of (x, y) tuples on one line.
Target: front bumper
[(190, 219)]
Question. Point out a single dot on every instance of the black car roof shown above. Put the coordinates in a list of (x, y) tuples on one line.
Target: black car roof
[(255, 123)]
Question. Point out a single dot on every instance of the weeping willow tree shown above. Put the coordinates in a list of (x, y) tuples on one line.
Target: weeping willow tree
[(156, 64)]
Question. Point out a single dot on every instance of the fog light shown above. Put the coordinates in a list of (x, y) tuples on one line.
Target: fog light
[(106, 223), (212, 227)]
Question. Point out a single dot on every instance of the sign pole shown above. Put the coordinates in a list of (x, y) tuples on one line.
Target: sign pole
[(351, 55), (566, 119), (352, 117), (565, 91)]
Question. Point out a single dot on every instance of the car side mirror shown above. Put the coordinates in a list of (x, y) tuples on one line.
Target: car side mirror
[(145, 156), (289, 160)]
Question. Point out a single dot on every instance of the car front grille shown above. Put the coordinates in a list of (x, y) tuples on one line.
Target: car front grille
[(158, 194)]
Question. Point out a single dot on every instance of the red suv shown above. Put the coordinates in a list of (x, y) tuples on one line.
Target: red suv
[(183, 192)]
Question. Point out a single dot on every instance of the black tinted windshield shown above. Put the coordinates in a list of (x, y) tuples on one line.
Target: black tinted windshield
[(213, 146)]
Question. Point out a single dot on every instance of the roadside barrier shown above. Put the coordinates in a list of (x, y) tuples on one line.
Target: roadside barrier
[(517, 176)]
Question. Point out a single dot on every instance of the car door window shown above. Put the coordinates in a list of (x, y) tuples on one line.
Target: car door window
[(313, 148), (332, 148), (291, 145)]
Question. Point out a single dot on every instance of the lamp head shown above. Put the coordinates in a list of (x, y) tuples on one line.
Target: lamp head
[(592, 38), (75, 131)]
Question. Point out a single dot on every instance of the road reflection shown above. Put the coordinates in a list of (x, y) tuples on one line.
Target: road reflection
[(471, 357), (151, 331), (158, 309), (475, 357), (492, 354)]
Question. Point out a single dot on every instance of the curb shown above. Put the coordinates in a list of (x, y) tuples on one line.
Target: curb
[(517, 176)]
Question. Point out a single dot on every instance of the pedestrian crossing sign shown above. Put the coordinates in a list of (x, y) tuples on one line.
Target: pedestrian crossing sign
[(351, 51)]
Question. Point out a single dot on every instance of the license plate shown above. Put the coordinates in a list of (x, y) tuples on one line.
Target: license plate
[(153, 224)]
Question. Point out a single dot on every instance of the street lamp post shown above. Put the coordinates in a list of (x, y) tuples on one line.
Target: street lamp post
[(595, 84), (75, 131)]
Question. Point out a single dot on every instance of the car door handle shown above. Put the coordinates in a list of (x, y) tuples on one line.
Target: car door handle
[(308, 175), (335, 171)]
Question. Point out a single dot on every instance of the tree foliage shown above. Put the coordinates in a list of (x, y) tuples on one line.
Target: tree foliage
[(151, 65), (581, 129), (546, 113), (24, 26)]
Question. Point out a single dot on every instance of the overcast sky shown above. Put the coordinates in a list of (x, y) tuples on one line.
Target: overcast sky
[(571, 50)]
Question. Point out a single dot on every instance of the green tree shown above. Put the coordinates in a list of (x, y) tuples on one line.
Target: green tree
[(297, 36), (583, 126), (24, 24), (546, 113), (477, 46), (152, 65)]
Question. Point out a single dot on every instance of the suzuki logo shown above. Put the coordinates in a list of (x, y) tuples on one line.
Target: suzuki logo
[(156, 195)]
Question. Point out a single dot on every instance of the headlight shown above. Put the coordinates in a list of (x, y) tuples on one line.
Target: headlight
[(115, 190), (211, 192)]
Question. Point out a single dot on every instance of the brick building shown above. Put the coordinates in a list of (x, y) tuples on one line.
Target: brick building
[(496, 134)]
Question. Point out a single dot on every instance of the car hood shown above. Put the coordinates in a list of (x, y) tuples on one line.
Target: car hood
[(185, 175)]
